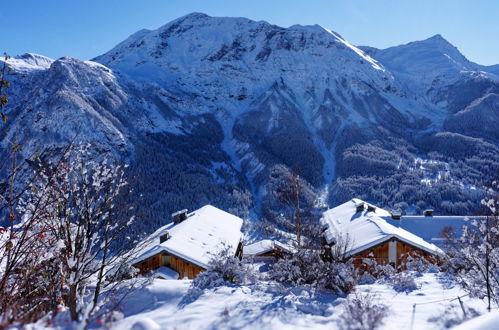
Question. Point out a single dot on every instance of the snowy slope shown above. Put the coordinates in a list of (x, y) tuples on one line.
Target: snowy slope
[(203, 53), (488, 321), (425, 67), (30, 62), (428, 62), (263, 306), (301, 80)]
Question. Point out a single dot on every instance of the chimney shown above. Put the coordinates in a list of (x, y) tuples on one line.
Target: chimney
[(179, 216), (166, 236), (396, 214), (371, 208), (428, 213), (359, 206)]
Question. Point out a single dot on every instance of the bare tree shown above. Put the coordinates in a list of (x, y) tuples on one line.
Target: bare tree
[(90, 218), (4, 83), (474, 257), (312, 262), (27, 278), (69, 247), (295, 204)]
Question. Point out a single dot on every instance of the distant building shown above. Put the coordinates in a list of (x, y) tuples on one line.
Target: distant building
[(429, 228), (184, 247), (266, 250), (370, 235)]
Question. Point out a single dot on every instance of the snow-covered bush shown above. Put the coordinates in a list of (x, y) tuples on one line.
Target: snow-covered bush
[(340, 277), (404, 282), (418, 265), (307, 267), (224, 268), (124, 271), (363, 312), (373, 271)]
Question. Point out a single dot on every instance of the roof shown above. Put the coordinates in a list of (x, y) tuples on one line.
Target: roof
[(195, 239), (366, 229), (264, 246), (429, 228)]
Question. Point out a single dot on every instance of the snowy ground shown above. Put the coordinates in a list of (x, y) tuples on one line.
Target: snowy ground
[(164, 304)]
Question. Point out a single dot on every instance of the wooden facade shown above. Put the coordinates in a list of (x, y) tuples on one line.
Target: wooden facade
[(393, 252), (181, 266)]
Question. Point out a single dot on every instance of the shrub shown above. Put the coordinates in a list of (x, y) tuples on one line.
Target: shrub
[(123, 271), (404, 282), (224, 268), (363, 312), (375, 271), (306, 267), (418, 265)]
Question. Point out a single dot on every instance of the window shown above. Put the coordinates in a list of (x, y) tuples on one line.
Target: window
[(165, 260)]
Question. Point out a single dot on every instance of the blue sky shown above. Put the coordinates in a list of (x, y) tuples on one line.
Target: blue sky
[(87, 28)]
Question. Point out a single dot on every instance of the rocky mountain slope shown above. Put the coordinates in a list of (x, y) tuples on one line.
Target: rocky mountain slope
[(208, 110)]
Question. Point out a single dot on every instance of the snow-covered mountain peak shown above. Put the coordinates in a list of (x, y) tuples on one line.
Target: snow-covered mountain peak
[(440, 44), (224, 57), (29, 62), (428, 64), (434, 53)]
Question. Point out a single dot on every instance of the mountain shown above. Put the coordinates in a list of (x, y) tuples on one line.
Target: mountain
[(435, 70), (212, 110)]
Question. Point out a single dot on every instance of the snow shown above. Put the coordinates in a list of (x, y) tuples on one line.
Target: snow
[(145, 324), (359, 52), (489, 321), (196, 238), (367, 228), (165, 273), (263, 246), (201, 53), (264, 306), (29, 62)]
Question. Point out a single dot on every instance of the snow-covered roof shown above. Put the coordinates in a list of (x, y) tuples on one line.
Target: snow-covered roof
[(195, 239), (264, 246), (429, 228), (366, 229)]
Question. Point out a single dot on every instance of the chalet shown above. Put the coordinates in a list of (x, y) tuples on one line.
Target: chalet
[(184, 247), (370, 235), (266, 250)]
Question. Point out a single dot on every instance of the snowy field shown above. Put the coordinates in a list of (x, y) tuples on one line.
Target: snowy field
[(166, 304)]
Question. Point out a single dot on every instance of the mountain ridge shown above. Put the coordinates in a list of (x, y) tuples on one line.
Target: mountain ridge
[(212, 110)]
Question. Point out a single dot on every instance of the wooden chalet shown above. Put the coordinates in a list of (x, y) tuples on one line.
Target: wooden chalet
[(183, 248), (266, 250), (370, 235)]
